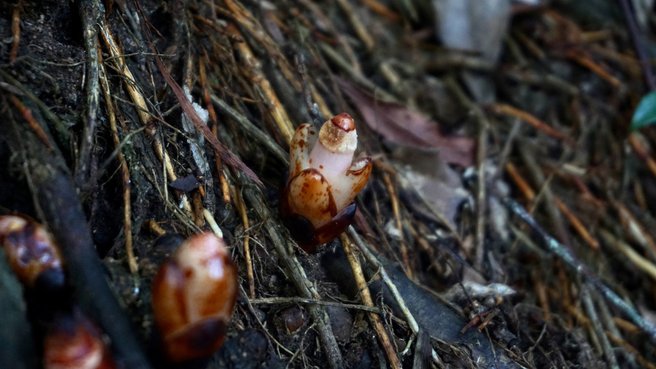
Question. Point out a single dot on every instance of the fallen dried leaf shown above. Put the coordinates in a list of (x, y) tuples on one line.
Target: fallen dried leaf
[(403, 126), (439, 187)]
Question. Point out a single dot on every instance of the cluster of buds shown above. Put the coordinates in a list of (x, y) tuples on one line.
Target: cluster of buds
[(72, 341), (193, 294), (318, 201), (32, 253)]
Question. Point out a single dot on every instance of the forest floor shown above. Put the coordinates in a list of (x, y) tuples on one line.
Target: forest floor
[(509, 220)]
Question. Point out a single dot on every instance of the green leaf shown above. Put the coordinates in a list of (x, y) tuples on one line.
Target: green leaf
[(645, 113)]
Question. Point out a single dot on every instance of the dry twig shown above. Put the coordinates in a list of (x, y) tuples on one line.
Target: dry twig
[(125, 172)]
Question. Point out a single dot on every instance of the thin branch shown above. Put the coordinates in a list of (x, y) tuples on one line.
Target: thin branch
[(125, 173), (365, 295), (91, 12)]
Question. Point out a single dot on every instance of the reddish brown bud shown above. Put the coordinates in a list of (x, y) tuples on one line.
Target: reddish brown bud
[(73, 342), (194, 294), (31, 251)]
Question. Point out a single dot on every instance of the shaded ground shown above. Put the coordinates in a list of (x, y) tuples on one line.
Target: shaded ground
[(94, 113)]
